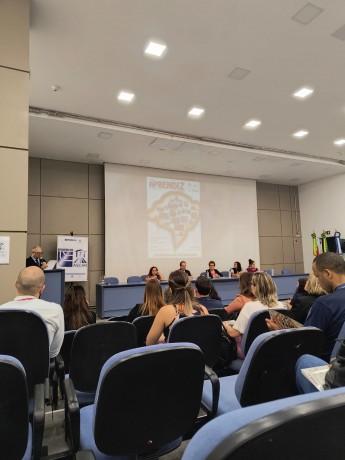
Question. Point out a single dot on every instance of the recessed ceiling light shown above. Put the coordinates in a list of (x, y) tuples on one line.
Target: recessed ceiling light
[(126, 97), (300, 133), (339, 142), (303, 92), (196, 112), (253, 124), (306, 14), (155, 49)]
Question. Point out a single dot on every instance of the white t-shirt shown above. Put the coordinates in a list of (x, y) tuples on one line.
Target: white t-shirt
[(51, 313), (247, 310)]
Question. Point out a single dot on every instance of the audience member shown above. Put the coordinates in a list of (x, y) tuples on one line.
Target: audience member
[(181, 305), (29, 286), (153, 301), (35, 259), (154, 274), (328, 311), (300, 290), (203, 286), (251, 266), (212, 272), (236, 270), (76, 309), (245, 295), (264, 290), (301, 306), (183, 268)]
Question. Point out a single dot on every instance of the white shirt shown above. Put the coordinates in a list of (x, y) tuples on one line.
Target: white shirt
[(247, 310), (51, 313)]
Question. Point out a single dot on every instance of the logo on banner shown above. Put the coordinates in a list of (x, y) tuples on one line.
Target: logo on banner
[(65, 257)]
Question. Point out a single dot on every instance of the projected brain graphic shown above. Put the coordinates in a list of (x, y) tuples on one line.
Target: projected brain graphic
[(177, 213)]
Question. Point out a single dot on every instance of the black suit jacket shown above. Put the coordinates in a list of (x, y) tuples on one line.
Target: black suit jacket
[(30, 262)]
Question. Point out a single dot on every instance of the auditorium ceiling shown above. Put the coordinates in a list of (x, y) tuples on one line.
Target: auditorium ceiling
[(233, 61)]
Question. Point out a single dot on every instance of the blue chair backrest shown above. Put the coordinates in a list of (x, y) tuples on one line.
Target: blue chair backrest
[(336, 347), (111, 280), (269, 271), (143, 277), (268, 371), (267, 428), (134, 279), (287, 271)]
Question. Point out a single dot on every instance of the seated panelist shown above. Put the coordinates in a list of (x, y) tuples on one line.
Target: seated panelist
[(212, 272), (154, 274), (183, 268)]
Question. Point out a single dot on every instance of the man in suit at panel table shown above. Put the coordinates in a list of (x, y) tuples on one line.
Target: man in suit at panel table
[(203, 286), (35, 259)]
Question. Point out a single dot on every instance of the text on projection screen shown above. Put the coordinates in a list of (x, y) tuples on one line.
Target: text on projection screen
[(173, 216)]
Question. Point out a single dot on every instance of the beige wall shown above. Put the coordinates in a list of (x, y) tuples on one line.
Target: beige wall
[(14, 110), (279, 228), (65, 197)]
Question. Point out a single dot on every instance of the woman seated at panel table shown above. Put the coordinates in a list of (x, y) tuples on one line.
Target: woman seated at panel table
[(182, 305), (153, 301), (76, 309), (236, 270), (154, 274), (212, 272), (251, 266), (265, 291), (244, 296)]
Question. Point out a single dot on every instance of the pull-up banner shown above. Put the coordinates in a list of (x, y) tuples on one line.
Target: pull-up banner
[(72, 256)]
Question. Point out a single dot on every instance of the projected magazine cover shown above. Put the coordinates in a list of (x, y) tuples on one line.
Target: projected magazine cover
[(173, 211)]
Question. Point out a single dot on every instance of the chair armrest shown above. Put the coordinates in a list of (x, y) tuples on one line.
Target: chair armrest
[(85, 455), (60, 371), (215, 391), (72, 415), (38, 420)]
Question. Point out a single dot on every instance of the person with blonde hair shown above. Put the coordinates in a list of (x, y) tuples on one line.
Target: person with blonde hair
[(153, 301), (264, 289), (301, 306), (182, 305)]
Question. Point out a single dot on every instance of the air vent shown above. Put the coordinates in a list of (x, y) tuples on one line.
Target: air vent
[(238, 73), (105, 135), (307, 14), (165, 144), (340, 33)]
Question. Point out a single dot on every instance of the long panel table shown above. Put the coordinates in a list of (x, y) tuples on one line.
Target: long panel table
[(119, 299)]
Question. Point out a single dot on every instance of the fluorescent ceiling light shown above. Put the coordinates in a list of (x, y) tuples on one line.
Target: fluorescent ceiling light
[(304, 92), (253, 124), (339, 142), (124, 96), (301, 133), (196, 112), (155, 49)]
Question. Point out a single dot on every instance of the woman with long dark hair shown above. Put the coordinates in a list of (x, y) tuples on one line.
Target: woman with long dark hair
[(76, 309)]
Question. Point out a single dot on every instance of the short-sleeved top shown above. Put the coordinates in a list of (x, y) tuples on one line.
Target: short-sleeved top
[(328, 314), (246, 312), (238, 303)]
